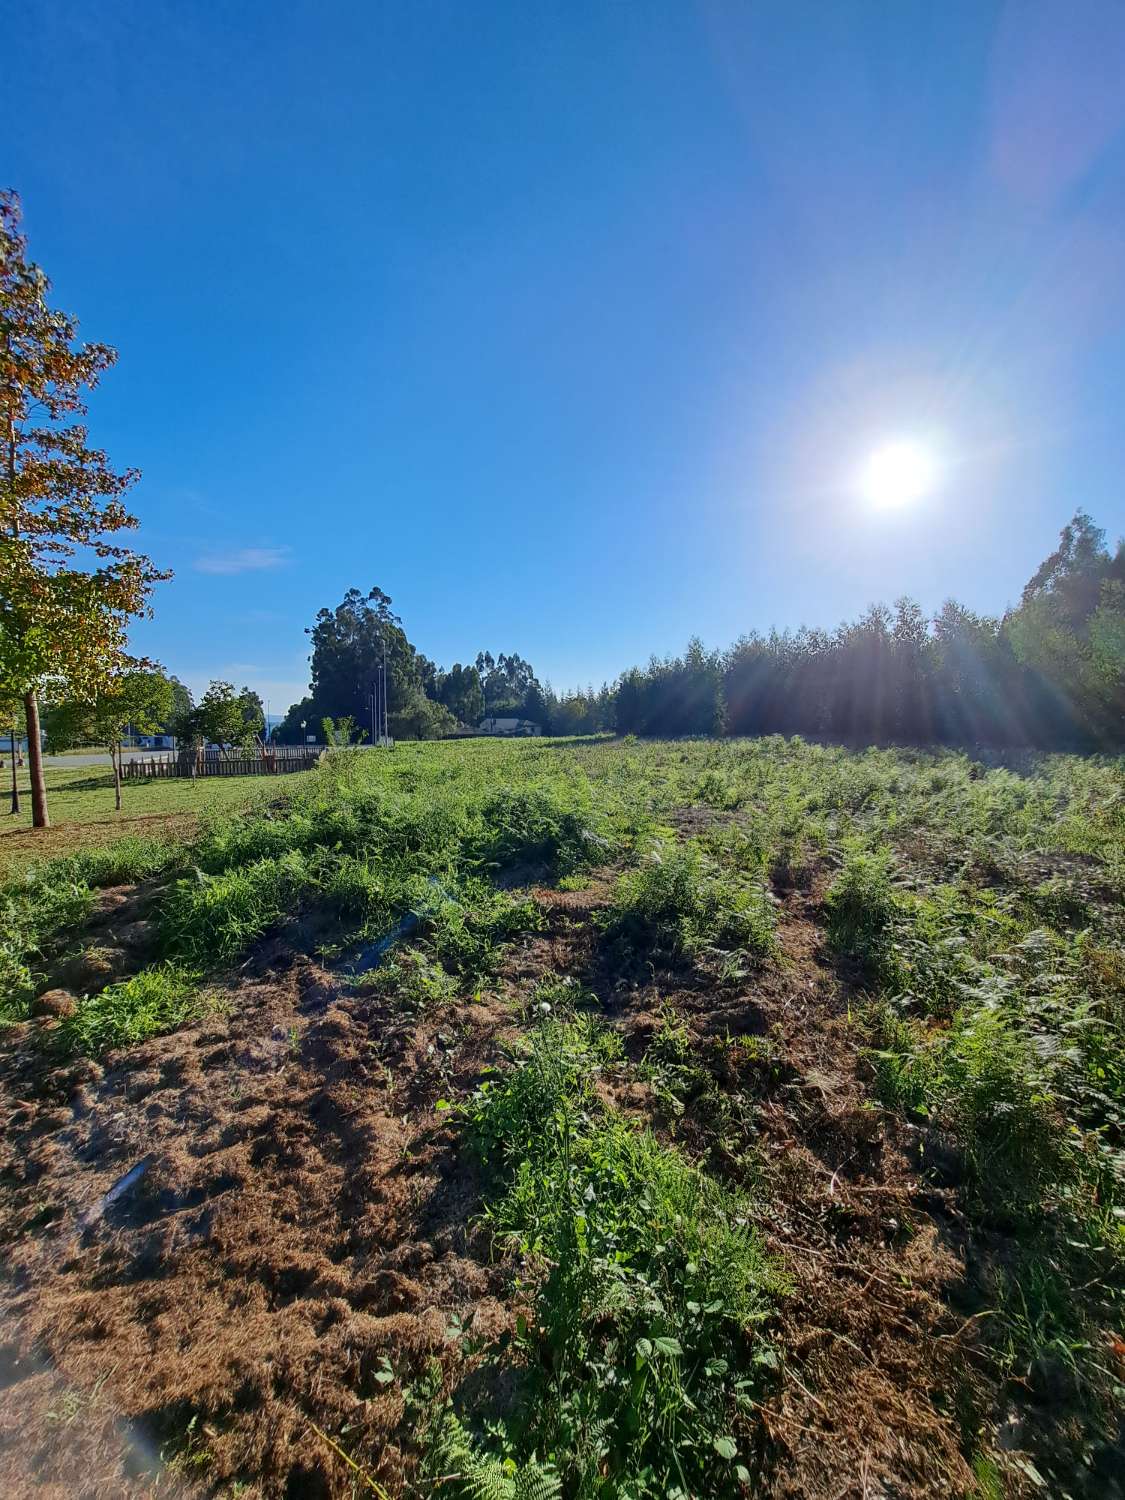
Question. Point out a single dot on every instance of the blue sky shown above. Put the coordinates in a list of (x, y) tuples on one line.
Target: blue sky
[(571, 325)]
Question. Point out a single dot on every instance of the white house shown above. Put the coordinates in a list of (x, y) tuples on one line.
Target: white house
[(509, 727)]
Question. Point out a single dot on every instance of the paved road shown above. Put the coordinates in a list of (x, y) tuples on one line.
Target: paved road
[(61, 762)]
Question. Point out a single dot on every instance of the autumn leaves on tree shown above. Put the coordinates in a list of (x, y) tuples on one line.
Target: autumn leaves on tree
[(68, 589)]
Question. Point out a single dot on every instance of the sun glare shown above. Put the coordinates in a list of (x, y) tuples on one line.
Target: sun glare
[(899, 474)]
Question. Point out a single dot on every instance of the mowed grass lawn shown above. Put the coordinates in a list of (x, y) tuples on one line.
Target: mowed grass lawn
[(80, 800)]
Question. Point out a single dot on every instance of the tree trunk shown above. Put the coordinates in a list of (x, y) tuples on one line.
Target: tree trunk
[(40, 817), (115, 757), (15, 774)]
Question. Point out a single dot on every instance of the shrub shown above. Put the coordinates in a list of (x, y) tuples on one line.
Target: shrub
[(861, 910), (718, 791), (412, 980), (541, 824), (999, 1100), (360, 891), (677, 904), (906, 1065)]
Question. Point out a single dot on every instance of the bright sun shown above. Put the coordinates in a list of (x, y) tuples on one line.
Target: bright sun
[(898, 474)]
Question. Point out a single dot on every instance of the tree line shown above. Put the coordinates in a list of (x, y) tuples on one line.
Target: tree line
[(1049, 673), (362, 644)]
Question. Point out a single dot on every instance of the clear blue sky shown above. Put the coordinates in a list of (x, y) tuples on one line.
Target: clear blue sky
[(571, 325)]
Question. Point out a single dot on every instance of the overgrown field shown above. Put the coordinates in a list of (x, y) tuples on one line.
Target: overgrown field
[(575, 1118)]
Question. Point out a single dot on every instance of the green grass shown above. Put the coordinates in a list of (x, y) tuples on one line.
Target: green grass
[(211, 919), (80, 800), (150, 1003)]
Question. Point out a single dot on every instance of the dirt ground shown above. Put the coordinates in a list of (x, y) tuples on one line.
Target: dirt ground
[(305, 1223)]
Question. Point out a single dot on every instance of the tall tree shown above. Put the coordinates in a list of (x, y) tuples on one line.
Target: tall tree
[(460, 691), (348, 648), (60, 506), (182, 705)]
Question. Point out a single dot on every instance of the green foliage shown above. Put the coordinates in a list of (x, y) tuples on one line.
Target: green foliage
[(413, 980), (342, 732), (907, 1072), (543, 823), (208, 919), (49, 899), (717, 790), (32, 910), (1000, 1102), (478, 1475), (68, 588), (224, 717), (677, 903), (641, 1354), (861, 909), (136, 700), (468, 933), (126, 861), (148, 1004), (361, 891)]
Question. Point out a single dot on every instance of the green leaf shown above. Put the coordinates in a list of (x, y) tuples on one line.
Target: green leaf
[(725, 1447), (667, 1346)]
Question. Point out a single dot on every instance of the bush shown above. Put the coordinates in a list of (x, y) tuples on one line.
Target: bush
[(998, 1099), (861, 911), (360, 891), (541, 824), (677, 903)]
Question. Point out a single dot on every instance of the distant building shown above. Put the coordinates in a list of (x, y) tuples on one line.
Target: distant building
[(156, 742), (510, 727)]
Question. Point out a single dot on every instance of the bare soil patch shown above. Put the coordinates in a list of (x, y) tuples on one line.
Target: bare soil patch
[(305, 1223)]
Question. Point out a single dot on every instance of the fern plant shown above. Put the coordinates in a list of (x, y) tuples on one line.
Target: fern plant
[(475, 1474)]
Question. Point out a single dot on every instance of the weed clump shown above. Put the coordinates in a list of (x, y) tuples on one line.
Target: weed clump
[(861, 911), (641, 1353), (541, 824), (210, 919), (33, 910), (677, 904), (148, 1004), (468, 932)]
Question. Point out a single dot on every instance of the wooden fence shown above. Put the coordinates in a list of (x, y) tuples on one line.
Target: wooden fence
[(273, 762)]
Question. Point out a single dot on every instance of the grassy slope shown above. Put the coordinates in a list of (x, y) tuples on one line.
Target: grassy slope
[(857, 1022)]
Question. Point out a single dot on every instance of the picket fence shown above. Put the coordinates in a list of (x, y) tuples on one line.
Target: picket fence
[(274, 762)]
